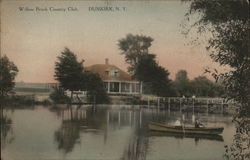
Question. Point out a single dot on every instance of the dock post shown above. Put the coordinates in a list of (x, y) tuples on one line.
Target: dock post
[(140, 117), (169, 104), (158, 103), (148, 103), (222, 106), (207, 106), (193, 106), (180, 104)]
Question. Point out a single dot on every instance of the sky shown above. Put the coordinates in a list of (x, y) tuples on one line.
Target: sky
[(33, 39)]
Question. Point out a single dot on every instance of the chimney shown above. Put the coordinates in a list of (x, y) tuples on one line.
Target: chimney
[(106, 61)]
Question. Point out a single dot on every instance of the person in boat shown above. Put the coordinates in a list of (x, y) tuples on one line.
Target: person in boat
[(198, 124), (177, 122)]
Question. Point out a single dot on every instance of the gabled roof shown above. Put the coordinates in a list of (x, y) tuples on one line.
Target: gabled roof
[(103, 71)]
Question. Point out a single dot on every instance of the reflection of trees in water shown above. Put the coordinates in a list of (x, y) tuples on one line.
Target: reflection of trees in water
[(7, 135), (138, 143), (240, 148), (137, 148), (67, 136), (75, 121)]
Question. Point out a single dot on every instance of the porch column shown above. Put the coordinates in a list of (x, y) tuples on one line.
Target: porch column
[(108, 87), (120, 87), (130, 87), (141, 87)]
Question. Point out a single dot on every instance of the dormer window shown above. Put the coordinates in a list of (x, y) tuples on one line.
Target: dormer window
[(113, 73)]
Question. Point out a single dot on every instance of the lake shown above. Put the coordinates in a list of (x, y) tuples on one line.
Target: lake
[(104, 133)]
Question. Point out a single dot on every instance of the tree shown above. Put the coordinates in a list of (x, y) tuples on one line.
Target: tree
[(201, 86), (143, 65), (69, 72), (134, 47), (181, 76), (95, 87), (153, 76), (71, 76), (8, 72), (58, 96), (228, 23), (182, 84)]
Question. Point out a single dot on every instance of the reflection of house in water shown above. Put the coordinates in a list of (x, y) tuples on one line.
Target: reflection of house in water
[(117, 82)]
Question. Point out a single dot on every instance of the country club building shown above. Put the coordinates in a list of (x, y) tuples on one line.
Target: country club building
[(116, 81)]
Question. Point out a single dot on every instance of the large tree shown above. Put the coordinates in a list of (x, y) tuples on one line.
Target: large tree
[(154, 77), (8, 72), (134, 47), (71, 76), (228, 23), (96, 89), (69, 72), (143, 65), (182, 84)]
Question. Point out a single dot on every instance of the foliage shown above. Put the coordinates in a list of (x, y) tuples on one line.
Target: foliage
[(228, 23), (58, 96), (154, 77), (133, 47), (8, 72), (68, 71), (143, 65), (182, 84), (95, 87), (200, 86), (71, 76)]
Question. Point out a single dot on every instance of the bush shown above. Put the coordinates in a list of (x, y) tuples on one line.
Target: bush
[(58, 96)]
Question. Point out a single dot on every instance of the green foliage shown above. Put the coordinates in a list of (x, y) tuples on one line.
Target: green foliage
[(71, 76), (199, 86), (228, 22), (58, 96), (8, 72), (95, 87), (143, 65), (202, 86), (182, 84), (133, 47), (154, 77), (68, 71), (229, 25)]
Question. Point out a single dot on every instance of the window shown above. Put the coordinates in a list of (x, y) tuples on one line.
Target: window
[(113, 73), (114, 86), (125, 87)]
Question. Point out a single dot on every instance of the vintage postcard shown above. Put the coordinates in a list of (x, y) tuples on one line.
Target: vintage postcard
[(121, 80)]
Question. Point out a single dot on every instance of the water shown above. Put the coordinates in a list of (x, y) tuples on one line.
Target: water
[(107, 134)]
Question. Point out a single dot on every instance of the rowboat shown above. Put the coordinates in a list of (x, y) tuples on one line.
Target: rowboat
[(185, 130), (212, 137)]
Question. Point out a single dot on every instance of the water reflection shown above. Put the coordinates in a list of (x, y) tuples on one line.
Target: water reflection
[(240, 148), (7, 135), (74, 121), (82, 132)]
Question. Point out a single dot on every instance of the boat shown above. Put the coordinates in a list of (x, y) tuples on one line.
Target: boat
[(212, 137), (153, 126)]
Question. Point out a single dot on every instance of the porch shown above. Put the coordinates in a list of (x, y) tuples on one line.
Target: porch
[(123, 87)]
